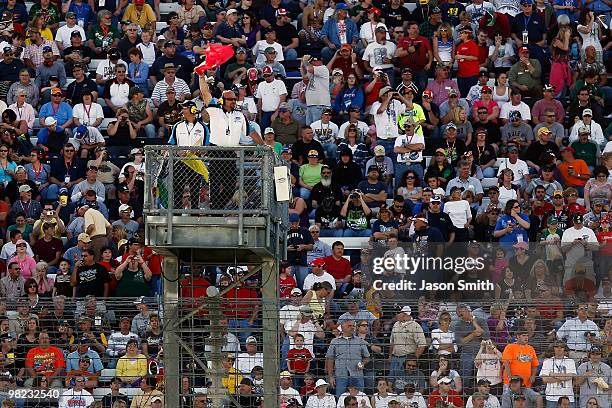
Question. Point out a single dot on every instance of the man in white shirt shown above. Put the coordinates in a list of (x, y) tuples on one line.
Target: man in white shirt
[(574, 333), (326, 133), (64, 33), (575, 242), (519, 167), (320, 398), (286, 391), (557, 373), (106, 69), (409, 148), (362, 128), (77, 396), (117, 90), (316, 92), (271, 92), (484, 389), (515, 104), (596, 134), (386, 111), (261, 46), (318, 274), (246, 361), (380, 52)]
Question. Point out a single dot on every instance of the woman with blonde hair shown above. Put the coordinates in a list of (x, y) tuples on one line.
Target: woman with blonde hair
[(464, 127), (489, 366), (443, 45)]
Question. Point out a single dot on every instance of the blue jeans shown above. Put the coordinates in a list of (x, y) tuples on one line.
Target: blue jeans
[(402, 168), (304, 193), (284, 353), (397, 367), (327, 54), (300, 272), (313, 113), (240, 324), (352, 233), (489, 172), (467, 367), (465, 84), (51, 192), (388, 145), (331, 232), (343, 382), (266, 119), (331, 150), (149, 131), (290, 54)]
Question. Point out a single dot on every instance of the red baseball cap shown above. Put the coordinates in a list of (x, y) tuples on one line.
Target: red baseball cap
[(428, 93), (317, 262), (524, 49), (375, 10)]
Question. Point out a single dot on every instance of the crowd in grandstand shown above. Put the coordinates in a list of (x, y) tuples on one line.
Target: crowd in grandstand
[(435, 123)]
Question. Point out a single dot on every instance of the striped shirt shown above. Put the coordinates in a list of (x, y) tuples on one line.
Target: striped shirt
[(180, 86), (34, 52)]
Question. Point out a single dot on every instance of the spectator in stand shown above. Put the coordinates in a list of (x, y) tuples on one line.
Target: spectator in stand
[(542, 107), (346, 358), (592, 377), (574, 172), (515, 104), (526, 73), (524, 367), (467, 60), (45, 360), (580, 334), (469, 331)]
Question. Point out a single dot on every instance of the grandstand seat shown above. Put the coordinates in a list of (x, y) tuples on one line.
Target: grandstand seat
[(166, 8), (107, 374), (160, 25), (349, 242), (489, 182)]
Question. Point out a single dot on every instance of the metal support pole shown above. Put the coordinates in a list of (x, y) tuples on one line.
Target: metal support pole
[(270, 332), (172, 361), (216, 391)]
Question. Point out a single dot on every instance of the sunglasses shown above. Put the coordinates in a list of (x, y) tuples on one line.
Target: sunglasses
[(20, 246), (3, 151), (69, 150)]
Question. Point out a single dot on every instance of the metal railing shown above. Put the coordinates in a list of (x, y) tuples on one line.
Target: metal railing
[(213, 181)]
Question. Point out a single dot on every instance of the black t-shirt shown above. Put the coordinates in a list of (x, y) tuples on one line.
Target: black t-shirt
[(537, 152), (10, 72), (185, 67), (300, 236), (396, 17), (171, 114), (124, 46), (482, 155), (108, 400), (154, 341), (285, 34), (83, 50), (319, 193), (121, 138), (75, 89), (327, 218), (91, 280), (442, 222), (47, 250), (299, 150), (493, 132)]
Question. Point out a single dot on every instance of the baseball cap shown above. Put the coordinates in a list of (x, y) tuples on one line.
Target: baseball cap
[(512, 149), (285, 374), (485, 88), (384, 90), (337, 71), (327, 111), (305, 310), (558, 193), (296, 291), (445, 380), (47, 49), (516, 378), (373, 168), (548, 88), (294, 217), (578, 218), (552, 220), (452, 92), (232, 11), (50, 121), (379, 150), (543, 130), (25, 188), (406, 309), (380, 29), (428, 93), (125, 208), (269, 50), (587, 112), (267, 70), (251, 340), (583, 130), (269, 130), (280, 12), (71, 14), (157, 397), (341, 6), (80, 131), (83, 237), (321, 381), (524, 49), (123, 188), (318, 262), (451, 125), (483, 381), (247, 381), (436, 199)]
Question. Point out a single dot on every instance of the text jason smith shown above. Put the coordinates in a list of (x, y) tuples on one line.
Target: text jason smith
[(411, 285)]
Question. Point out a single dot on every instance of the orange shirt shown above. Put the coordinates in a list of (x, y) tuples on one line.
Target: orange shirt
[(45, 361), (580, 167), (521, 359)]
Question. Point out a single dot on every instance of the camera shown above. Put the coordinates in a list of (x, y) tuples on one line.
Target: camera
[(354, 196), (49, 212), (589, 334)]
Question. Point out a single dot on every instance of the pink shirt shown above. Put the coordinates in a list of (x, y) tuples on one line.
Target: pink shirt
[(540, 107), (27, 265)]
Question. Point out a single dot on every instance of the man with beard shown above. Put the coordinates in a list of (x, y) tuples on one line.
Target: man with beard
[(325, 188)]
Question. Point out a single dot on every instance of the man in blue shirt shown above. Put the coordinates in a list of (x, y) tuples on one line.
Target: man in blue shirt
[(58, 109)]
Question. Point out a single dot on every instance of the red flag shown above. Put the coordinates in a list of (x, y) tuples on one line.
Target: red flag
[(214, 56)]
